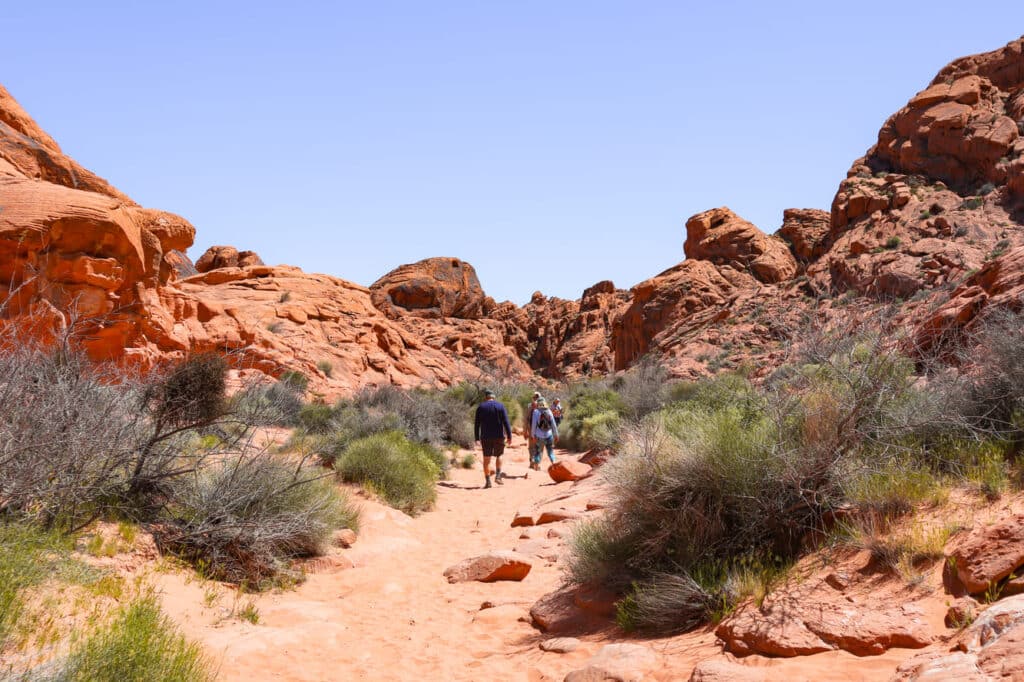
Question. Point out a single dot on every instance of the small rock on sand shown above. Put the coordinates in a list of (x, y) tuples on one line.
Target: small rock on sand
[(490, 567), (560, 645)]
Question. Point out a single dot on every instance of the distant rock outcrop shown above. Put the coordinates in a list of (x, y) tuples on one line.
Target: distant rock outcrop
[(431, 288), (217, 257), (722, 237)]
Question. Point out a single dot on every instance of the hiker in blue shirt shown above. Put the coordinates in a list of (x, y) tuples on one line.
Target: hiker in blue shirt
[(544, 431), (489, 426)]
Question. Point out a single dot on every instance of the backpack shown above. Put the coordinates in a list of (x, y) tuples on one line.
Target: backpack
[(544, 421)]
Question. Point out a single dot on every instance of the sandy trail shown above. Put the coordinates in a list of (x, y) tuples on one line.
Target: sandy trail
[(394, 616)]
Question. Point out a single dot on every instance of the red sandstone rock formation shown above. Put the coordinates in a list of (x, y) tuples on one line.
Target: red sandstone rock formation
[(433, 288), (217, 257), (722, 237), (929, 216)]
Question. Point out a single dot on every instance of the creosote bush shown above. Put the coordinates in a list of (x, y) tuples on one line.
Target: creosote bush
[(242, 518), (401, 472), (714, 494), (167, 450)]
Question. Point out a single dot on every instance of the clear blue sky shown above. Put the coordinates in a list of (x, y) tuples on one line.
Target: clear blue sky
[(551, 144)]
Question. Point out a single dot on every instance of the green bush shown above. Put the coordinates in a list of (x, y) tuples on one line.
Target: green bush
[(592, 413), (402, 472), (140, 644), (316, 418), (350, 424)]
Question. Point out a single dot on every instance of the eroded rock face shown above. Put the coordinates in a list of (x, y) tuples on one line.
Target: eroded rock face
[(686, 297), (807, 231), (988, 554), (94, 256), (722, 237), (964, 128), (217, 257), (431, 288), (990, 649)]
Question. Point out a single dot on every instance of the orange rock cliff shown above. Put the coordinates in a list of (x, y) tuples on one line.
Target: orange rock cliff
[(930, 217)]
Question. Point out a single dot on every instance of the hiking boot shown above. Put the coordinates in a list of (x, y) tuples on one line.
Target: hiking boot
[(498, 477), (487, 482)]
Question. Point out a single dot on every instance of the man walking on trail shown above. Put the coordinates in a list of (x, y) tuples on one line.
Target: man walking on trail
[(491, 427), (544, 431)]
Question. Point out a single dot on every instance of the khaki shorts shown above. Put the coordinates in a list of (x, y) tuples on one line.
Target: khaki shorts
[(493, 447)]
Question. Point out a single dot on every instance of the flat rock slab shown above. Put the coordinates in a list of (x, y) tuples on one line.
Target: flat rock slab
[(724, 670), (801, 628), (521, 519), (560, 645), (559, 612), (556, 515), (986, 555), (490, 567), (568, 470), (991, 648), (619, 662), (502, 615)]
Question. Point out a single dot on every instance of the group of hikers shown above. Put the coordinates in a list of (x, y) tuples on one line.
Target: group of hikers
[(492, 429)]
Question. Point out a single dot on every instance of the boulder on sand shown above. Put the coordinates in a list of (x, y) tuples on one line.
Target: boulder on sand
[(568, 470), (490, 567)]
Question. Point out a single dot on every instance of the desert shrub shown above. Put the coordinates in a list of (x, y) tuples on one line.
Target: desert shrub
[(667, 602), (601, 406), (243, 518), (326, 367), (316, 418), (891, 489), (295, 380), (427, 416), (402, 472), (466, 393), (275, 404), (644, 388), (192, 392), (994, 401), (140, 644), (714, 495), (596, 553), (350, 424), (726, 389), (69, 437)]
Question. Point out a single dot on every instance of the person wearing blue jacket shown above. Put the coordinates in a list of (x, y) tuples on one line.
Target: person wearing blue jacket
[(544, 432), (493, 431)]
